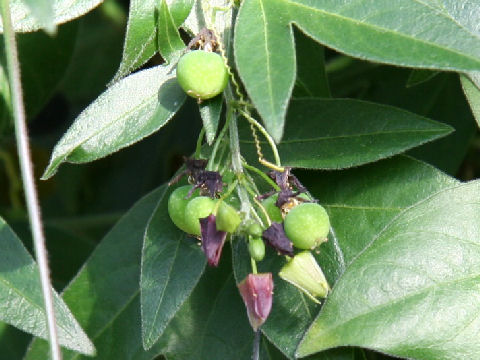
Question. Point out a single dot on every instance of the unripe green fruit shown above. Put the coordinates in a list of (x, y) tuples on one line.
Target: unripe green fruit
[(274, 212), (255, 229), (307, 225), (256, 247), (227, 218), (202, 74), (177, 204), (196, 209)]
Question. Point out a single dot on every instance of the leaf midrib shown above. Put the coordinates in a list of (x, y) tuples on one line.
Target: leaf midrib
[(378, 28)]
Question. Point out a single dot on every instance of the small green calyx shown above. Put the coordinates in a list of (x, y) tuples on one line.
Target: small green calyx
[(303, 272), (201, 74)]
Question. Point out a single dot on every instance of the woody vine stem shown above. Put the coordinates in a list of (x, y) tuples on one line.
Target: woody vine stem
[(27, 175)]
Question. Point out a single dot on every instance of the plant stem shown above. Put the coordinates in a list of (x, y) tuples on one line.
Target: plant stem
[(256, 345), (262, 175), (198, 148), (27, 175)]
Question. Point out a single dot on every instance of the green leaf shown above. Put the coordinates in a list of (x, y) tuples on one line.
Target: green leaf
[(42, 12), (105, 293), (471, 88), (210, 111), (311, 77), (31, 15), (406, 293), (13, 342), (341, 133), (117, 119), (172, 264), (141, 38), (212, 324), (360, 202), (405, 33), (170, 44), (418, 76), (21, 300)]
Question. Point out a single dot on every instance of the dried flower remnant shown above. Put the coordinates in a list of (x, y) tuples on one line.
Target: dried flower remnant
[(276, 238), (257, 294), (212, 239)]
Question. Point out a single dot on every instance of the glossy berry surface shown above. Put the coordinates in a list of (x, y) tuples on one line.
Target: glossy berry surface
[(307, 225), (256, 248), (201, 74), (177, 204), (197, 208)]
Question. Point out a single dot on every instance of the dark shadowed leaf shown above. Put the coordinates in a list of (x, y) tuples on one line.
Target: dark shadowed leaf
[(21, 300), (128, 111), (405, 32), (105, 294), (172, 263), (341, 133), (418, 76), (31, 15), (411, 293)]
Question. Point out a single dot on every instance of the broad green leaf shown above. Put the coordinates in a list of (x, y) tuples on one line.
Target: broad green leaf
[(472, 93), (418, 76), (42, 12), (405, 32), (212, 324), (172, 264), (360, 202), (128, 111), (105, 294), (170, 44), (405, 294), (21, 300), (31, 15), (341, 133), (142, 31), (210, 111), (311, 77), (40, 74)]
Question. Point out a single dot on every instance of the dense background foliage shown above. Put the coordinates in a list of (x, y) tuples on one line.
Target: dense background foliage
[(423, 261)]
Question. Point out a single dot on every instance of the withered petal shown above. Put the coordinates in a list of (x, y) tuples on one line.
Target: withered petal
[(212, 239), (257, 294), (275, 236)]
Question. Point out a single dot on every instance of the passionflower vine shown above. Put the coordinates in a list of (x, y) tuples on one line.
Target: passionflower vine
[(257, 294), (275, 236), (303, 272), (212, 239)]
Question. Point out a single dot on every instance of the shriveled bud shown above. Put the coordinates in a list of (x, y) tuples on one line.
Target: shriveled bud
[(212, 240), (275, 237), (303, 272), (257, 294)]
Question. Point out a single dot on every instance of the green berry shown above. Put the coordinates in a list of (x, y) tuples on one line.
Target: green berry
[(256, 247), (255, 229), (201, 74), (307, 225), (177, 204), (196, 209), (273, 211), (227, 218)]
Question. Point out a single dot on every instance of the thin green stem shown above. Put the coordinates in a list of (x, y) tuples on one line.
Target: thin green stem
[(33, 207), (267, 136), (262, 175), (220, 137), (254, 265), (198, 148)]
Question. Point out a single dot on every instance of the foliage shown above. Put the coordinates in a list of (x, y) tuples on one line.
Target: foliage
[(374, 105)]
